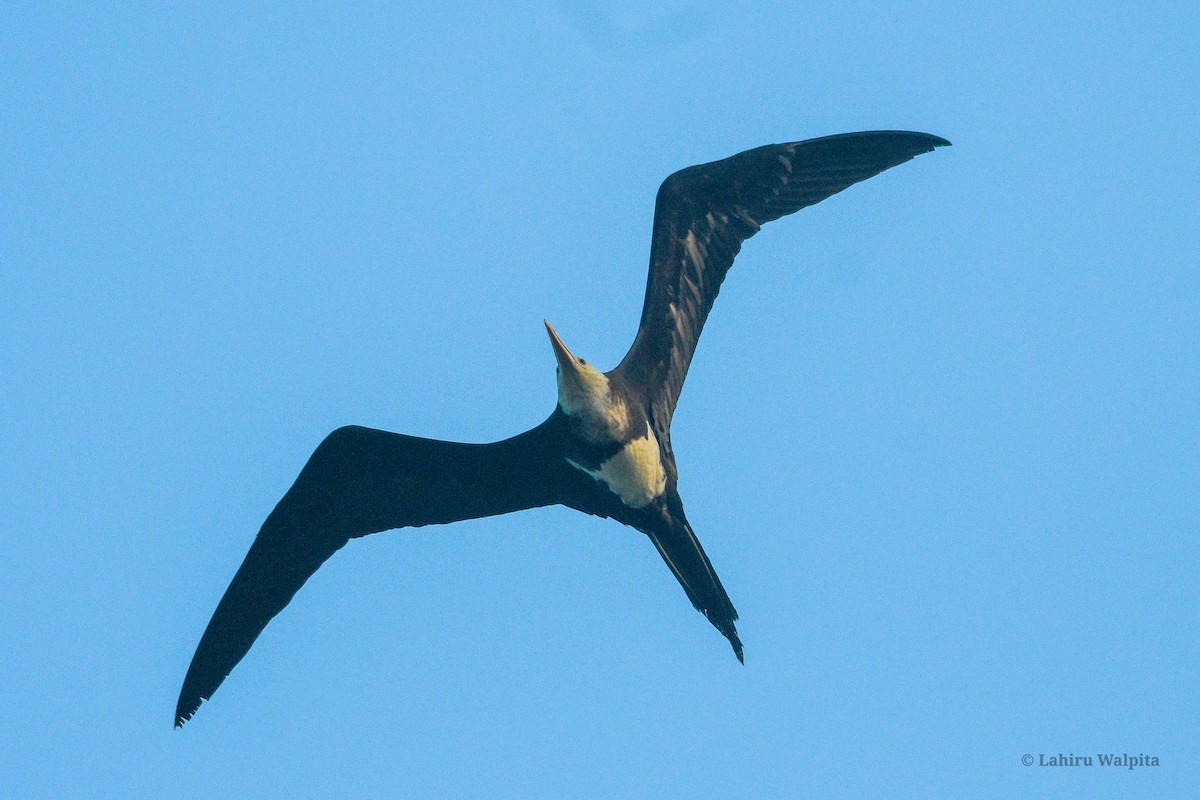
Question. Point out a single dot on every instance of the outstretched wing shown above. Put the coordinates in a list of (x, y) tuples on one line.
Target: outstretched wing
[(702, 216), (361, 481)]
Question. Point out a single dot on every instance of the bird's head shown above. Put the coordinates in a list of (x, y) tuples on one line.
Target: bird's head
[(582, 389)]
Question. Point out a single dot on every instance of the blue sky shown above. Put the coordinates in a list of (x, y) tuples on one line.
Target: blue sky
[(939, 439)]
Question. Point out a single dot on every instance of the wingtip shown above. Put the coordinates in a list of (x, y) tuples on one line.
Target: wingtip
[(184, 712), (919, 138), (925, 139), (928, 139)]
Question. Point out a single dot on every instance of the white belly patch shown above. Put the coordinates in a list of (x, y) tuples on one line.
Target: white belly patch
[(635, 473)]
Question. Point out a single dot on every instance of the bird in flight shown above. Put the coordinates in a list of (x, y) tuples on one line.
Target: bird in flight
[(606, 448)]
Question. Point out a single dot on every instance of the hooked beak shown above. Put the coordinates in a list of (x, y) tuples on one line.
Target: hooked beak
[(566, 361)]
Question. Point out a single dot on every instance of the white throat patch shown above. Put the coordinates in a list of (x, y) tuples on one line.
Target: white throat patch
[(586, 398)]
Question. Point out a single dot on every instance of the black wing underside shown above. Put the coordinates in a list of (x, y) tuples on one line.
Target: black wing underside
[(361, 481), (702, 216)]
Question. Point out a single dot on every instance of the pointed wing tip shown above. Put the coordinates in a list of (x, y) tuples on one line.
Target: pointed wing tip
[(184, 711), (927, 142), (182, 717), (924, 142), (926, 138)]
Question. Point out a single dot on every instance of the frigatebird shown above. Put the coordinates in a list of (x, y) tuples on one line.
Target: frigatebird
[(606, 448)]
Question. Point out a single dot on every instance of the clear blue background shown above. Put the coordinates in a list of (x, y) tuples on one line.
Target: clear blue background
[(940, 439)]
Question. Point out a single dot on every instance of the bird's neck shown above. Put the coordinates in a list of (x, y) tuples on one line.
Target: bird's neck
[(588, 400)]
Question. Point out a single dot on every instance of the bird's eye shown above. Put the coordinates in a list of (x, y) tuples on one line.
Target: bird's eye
[(581, 361)]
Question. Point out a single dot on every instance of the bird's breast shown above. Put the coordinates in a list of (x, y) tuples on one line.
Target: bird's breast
[(634, 473)]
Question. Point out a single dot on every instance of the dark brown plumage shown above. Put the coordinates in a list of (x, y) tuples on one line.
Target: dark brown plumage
[(361, 481)]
